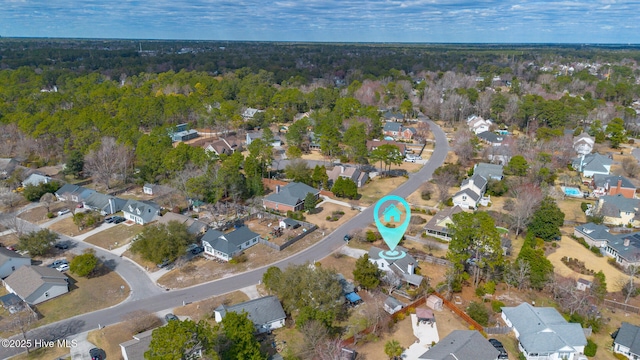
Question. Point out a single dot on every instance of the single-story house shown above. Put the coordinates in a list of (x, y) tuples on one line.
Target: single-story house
[(543, 332), (134, 349), (141, 212), (489, 171), (405, 267), (583, 143), (627, 341), (356, 175), (182, 133), (75, 193), (390, 115), (625, 248), (266, 313), (392, 305), (225, 246), (583, 284), (219, 147), (35, 284), (194, 226), (462, 345), (491, 138), (617, 209), (591, 164), (104, 204), (594, 234), (10, 261), (374, 144), (392, 128), (289, 197), (612, 185), (36, 179), (437, 225), (289, 223), (276, 142), (249, 113)]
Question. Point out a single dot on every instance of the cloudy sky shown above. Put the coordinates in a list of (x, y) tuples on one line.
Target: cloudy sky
[(470, 21)]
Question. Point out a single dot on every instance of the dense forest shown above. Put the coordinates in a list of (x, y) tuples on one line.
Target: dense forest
[(60, 99)]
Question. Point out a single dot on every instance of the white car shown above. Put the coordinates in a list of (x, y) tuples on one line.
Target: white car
[(63, 211), (412, 158), (63, 267)]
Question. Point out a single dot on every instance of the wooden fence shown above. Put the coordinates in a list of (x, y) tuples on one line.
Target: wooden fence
[(497, 330), (460, 313), (291, 241), (433, 260), (614, 305)]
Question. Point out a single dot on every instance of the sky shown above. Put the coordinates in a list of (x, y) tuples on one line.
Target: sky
[(419, 21)]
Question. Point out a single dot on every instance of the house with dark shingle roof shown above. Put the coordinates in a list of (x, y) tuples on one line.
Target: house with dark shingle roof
[(491, 138), (225, 246), (104, 204), (543, 332), (594, 234), (374, 144), (617, 210), (612, 185), (349, 172), (135, 348), (404, 267), (289, 197), (591, 164), (437, 226), (266, 313), (625, 248), (141, 212), (10, 261), (36, 284), (75, 193), (627, 341), (194, 226), (462, 345)]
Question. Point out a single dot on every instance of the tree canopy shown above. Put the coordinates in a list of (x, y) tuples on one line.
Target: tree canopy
[(161, 242), (38, 243), (366, 273), (547, 220)]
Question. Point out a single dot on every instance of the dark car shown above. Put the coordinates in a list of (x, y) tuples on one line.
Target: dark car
[(498, 345), (197, 250), (118, 219), (164, 263), (171, 317), (109, 219), (62, 246), (347, 237), (97, 354)]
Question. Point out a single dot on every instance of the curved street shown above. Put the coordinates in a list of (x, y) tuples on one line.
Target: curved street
[(148, 296)]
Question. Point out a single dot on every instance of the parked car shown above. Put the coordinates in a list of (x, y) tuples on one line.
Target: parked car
[(80, 206), (97, 354), (347, 237), (109, 219), (197, 250), (57, 263), (63, 267), (10, 248), (164, 263), (61, 245), (118, 219), (171, 317), (498, 345), (63, 212), (190, 247)]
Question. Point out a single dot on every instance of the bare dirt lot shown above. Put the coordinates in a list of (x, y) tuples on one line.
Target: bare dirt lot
[(379, 187), (320, 218)]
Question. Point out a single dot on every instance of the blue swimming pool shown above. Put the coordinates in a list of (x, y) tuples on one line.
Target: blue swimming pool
[(571, 191)]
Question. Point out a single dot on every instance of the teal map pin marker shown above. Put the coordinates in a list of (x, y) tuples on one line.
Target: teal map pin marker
[(392, 215)]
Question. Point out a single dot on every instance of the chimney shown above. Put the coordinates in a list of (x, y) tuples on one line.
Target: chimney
[(410, 268), (341, 169), (619, 184), (277, 189), (627, 242)]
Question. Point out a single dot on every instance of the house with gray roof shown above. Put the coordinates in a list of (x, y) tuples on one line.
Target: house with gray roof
[(491, 138), (471, 192), (104, 204), (182, 133), (141, 212), (462, 345), (404, 267), (625, 248), (135, 348), (36, 179), (194, 226), (266, 313), (356, 175), (252, 135), (10, 261), (75, 193), (489, 171), (225, 246), (627, 341), (591, 164), (289, 197), (437, 226), (594, 234), (543, 333), (7, 166), (617, 210), (35, 284), (392, 305), (612, 185)]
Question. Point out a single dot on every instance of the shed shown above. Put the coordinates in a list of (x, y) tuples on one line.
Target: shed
[(434, 303), (425, 315), (583, 284), (392, 305), (289, 223)]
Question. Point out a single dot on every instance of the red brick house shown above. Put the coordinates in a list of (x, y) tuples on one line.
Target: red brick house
[(612, 185)]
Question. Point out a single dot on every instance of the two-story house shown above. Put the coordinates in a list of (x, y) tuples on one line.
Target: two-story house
[(477, 124), (612, 185), (471, 192), (590, 164), (356, 175), (617, 210)]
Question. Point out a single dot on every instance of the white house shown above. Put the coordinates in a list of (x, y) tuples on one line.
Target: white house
[(266, 313), (36, 284), (225, 246), (471, 192), (592, 164), (477, 124), (141, 212), (543, 333), (10, 261), (583, 144), (404, 268), (627, 341)]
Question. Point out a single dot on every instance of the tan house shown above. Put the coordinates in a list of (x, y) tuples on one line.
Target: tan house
[(36, 284), (437, 226), (617, 210)]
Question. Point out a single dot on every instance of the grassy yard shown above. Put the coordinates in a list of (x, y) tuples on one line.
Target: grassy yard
[(379, 187), (45, 353), (202, 310), (38, 215), (67, 227), (114, 237), (110, 337)]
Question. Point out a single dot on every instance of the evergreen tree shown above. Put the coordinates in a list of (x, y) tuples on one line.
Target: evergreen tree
[(366, 273)]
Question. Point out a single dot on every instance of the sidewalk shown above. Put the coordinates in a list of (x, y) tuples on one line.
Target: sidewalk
[(341, 203)]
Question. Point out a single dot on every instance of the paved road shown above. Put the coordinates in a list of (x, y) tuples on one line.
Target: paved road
[(150, 298)]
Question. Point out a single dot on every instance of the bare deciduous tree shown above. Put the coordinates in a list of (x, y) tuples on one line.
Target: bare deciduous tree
[(390, 281), (47, 199), (527, 198), (17, 225), (108, 160), (630, 167), (463, 145), (141, 320), (444, 181), (9, 199)]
